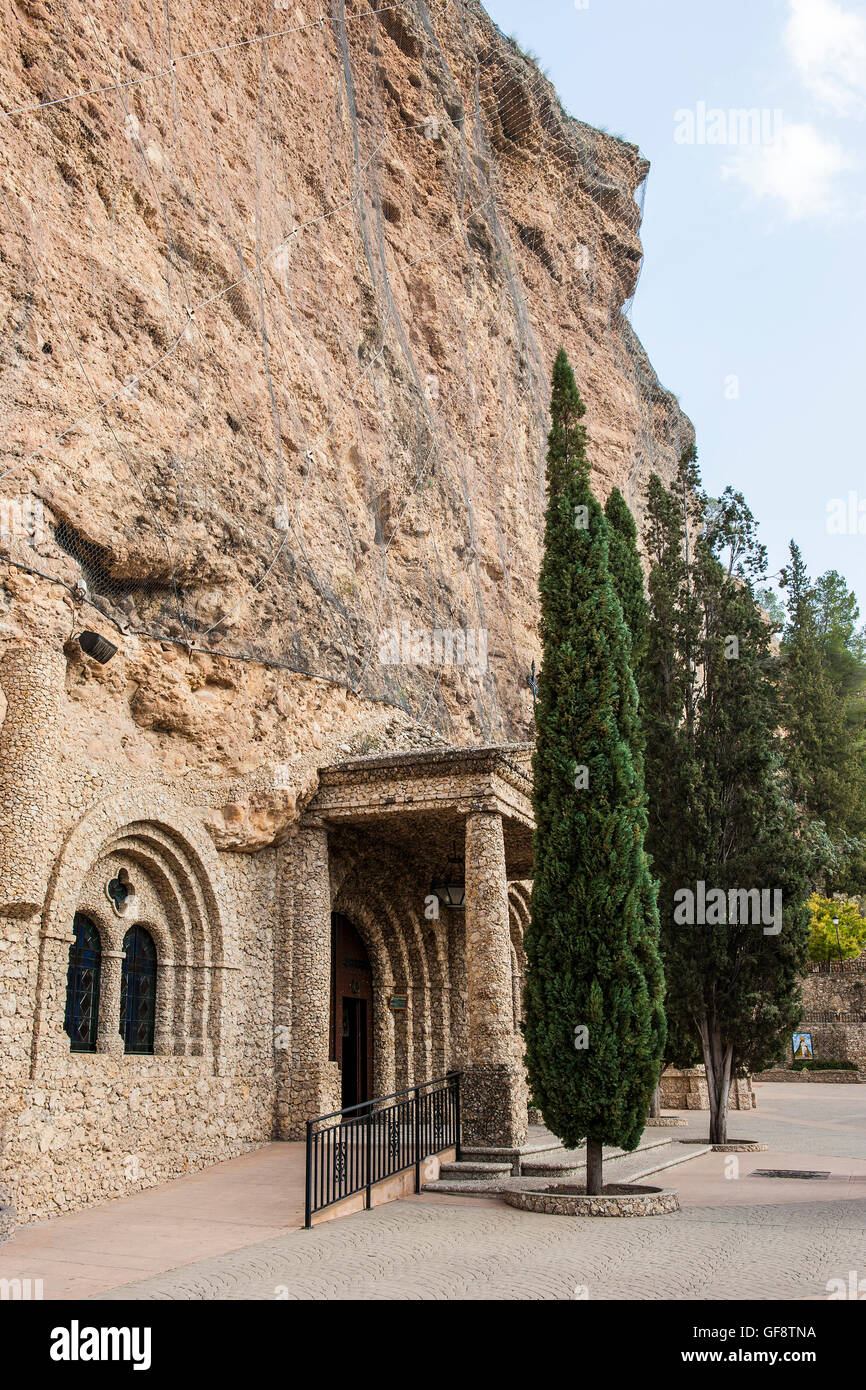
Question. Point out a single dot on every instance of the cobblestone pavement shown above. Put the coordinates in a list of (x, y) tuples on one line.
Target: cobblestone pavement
[(796, 1116), (417, 1250), (753, 1238)]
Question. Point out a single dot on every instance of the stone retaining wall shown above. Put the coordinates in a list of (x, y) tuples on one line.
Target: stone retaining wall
[(785, 1074), (687, 1090), (834, 1012)]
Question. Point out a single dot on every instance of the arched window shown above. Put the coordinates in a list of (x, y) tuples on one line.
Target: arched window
[(138, 991), (82, 986)]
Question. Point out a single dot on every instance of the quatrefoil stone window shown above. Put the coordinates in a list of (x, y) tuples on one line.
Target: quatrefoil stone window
[(120, 890)]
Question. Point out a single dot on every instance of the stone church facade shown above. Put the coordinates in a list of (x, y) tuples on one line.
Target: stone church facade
[(167, 1003), (217, 850)]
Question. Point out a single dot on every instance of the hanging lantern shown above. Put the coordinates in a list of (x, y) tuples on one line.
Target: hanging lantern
[(450, 886)]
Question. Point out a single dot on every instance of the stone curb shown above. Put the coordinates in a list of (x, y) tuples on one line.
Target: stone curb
[(669, 1163), (831, 1078)]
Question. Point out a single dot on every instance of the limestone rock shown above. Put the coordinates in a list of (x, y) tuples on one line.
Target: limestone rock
[(348, 431)]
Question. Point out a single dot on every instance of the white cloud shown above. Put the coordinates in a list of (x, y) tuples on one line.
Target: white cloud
[(827, 45), (801, 170)]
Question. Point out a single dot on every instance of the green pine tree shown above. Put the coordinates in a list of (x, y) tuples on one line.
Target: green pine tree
[(821, 677), (720, 816), (591, 945)]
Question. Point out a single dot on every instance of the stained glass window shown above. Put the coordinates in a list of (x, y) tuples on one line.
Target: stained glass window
[(82, 986), (138, 991)]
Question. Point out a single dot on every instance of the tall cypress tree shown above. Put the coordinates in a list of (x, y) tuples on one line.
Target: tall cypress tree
[(627, 576), (591, 945)]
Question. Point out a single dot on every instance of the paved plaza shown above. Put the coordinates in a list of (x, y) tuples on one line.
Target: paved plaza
[(231, 1232)]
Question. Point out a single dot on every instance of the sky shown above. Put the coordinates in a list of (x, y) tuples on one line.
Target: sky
[(752, 295)]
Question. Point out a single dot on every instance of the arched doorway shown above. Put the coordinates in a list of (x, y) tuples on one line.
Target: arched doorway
[(351, 1011)]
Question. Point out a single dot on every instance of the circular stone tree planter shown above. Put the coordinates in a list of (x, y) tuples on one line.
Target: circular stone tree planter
[(740, 1146), (732, 1146), (617, 1199)]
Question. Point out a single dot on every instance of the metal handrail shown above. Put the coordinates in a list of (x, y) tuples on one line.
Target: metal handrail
[(378, 1138), (380, 1100)]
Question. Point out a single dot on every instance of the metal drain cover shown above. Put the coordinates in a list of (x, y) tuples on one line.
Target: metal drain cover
[(786, 1173)]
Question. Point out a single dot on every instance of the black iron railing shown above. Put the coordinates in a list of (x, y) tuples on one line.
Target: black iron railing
[(351, 1150)]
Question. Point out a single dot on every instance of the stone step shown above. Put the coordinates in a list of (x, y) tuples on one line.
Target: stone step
[(618, 1167), (536, 1157), (469, 1172), (475, 1187), (574, 1160), (487, 1155), (638, 1168)]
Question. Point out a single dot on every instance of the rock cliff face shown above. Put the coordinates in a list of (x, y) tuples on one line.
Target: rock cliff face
[(279, 315)]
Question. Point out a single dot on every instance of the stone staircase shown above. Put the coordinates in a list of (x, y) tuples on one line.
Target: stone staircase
[(491, 1172)]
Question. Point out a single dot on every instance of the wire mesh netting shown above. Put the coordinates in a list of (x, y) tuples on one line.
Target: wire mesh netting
[(282, 296)]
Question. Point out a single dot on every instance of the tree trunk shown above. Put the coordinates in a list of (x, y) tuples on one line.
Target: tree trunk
[(594, 1183), (718, 1059), (655, 1109)]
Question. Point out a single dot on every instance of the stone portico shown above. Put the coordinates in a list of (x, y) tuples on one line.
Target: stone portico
[(368, 847)]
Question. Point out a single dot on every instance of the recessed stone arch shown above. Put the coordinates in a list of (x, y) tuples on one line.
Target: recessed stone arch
[(518, 921), (365, 917), (185, 906), (367, 885), (369, 908)]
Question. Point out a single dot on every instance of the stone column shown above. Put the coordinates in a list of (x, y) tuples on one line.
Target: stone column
[(283, 982), (459, 993), (50, 1046), (33, 680), (314, 1079), (494, 1102), (108, 1037), (19, 961), (384, 1058), (164, 1042)]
